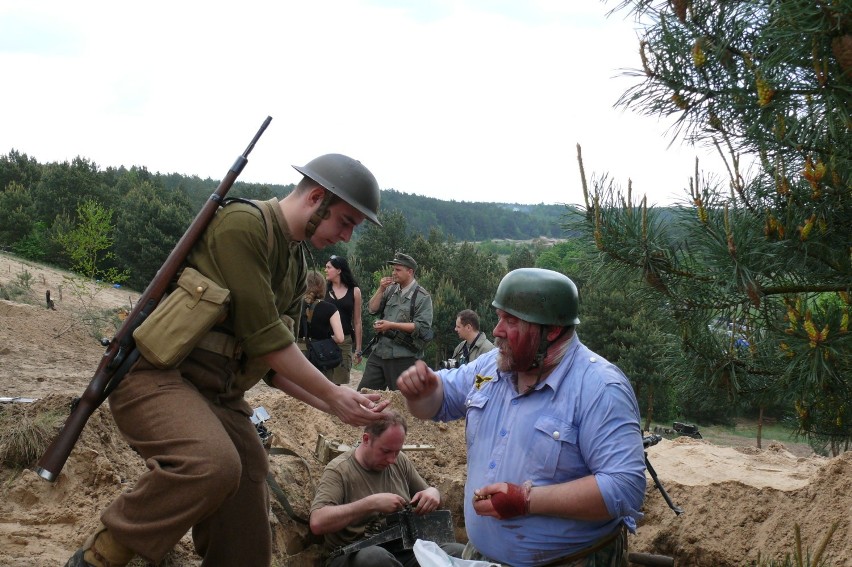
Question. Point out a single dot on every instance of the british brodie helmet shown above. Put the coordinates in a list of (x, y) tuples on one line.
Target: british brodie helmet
[(538, 296), (348, 179)]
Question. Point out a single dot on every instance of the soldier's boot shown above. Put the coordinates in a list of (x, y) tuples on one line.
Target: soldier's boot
[(101, 550)]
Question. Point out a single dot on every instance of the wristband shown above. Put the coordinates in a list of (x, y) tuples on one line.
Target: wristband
[(514, 502), (358, 352)]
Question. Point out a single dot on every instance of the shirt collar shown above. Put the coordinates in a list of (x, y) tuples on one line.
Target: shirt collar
[(403, 291)]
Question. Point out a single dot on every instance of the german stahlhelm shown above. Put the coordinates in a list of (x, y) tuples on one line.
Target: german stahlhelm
[(538, 296), (348, 179)]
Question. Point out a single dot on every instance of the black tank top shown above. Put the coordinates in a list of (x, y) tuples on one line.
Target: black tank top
[(320, 321), (346, 306)]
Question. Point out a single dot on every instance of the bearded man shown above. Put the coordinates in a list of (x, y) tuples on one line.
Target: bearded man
[(556, 470)]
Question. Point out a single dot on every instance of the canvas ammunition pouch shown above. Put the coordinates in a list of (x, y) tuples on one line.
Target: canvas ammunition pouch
[(181, 319)]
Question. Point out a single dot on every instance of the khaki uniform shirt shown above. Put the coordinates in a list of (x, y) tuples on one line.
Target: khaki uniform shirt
[(480, 346), (396, 307), (266, 282), (344, 481)]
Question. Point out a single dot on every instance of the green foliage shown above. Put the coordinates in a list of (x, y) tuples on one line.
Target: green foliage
[(18, 168), (142, 244), (89, 243), (24, 279), (377, 245), (63, 187), (520, 257), (474, 221), (763, 82), (568, 258), (35, 245), (16, 213)]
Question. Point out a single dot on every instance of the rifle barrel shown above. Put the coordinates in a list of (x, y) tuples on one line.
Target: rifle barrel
[(121, 353)]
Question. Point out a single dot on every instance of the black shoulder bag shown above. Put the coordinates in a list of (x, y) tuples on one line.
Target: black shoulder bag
[(323, 353)]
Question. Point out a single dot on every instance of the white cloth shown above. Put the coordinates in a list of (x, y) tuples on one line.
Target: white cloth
[(430, 554)]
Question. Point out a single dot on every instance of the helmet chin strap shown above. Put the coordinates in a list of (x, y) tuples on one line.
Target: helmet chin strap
[(543, 345), (319, 215)]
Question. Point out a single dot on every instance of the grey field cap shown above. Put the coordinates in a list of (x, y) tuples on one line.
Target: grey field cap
[(403, 260)]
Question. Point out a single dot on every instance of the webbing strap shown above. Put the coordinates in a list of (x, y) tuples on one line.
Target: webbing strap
[(278, 491)]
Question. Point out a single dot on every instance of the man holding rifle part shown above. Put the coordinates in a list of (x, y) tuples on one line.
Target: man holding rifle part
[(207, 466)]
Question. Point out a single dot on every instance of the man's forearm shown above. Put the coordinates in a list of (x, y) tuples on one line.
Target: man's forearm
[(579, 499), (288, 387), (293, 366), (330, 519), (375, 301)]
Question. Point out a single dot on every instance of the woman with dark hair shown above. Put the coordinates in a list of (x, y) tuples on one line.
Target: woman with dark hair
[(342, 290)]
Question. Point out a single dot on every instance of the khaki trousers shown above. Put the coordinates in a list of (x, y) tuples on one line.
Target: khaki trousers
[(206, 465), (340, 375)]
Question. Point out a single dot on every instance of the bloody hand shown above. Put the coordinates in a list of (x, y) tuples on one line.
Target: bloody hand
[(514, 502)]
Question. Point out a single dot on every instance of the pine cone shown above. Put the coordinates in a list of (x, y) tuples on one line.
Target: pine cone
[(679, 7), (841, 46)]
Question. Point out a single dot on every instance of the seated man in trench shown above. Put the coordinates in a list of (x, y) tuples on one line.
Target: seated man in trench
[(363, 484)]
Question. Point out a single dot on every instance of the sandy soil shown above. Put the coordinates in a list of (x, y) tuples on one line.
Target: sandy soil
[(738, 501)]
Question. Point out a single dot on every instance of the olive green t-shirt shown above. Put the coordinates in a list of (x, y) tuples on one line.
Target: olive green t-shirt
[(266, 282), (344, 481)]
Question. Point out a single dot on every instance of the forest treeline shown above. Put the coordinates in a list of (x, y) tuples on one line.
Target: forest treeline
[(462, 220)]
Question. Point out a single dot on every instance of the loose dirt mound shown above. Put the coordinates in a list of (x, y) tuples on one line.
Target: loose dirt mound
[(736, 501)]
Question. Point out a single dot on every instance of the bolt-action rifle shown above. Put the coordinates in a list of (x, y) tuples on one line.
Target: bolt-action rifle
[(121, 353)]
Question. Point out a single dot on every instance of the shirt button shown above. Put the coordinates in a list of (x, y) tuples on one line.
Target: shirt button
[(467, 403), (492, 464), (593, 359), (514, 402), (502, 433), (556, 435)]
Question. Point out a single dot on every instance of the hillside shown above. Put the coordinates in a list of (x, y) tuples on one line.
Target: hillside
[(737, 500)]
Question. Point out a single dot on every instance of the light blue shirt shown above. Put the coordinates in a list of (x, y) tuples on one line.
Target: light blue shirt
[(582, 420)]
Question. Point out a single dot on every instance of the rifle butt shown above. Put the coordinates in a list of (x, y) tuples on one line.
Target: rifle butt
[(54, 458)]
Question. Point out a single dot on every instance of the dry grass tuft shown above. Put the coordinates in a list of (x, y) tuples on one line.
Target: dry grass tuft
[(25, 433)]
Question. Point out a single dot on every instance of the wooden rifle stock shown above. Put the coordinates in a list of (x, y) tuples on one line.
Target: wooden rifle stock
[(121, 353)]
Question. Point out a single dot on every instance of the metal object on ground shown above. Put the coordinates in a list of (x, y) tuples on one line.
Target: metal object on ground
[(403, 529), (688, 430), (257, 418), (17, 400), (648, 442)]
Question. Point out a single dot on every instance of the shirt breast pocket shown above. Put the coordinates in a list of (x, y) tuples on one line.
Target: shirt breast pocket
[(473, 419), (554, 443)]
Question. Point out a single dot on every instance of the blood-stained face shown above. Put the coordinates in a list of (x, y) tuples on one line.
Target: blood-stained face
[(518, 342)]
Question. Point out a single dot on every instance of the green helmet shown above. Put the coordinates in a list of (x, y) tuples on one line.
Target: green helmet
[(543, 297), (348, 179)]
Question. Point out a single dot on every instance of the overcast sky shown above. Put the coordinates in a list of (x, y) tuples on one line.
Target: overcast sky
[(471, 100)]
